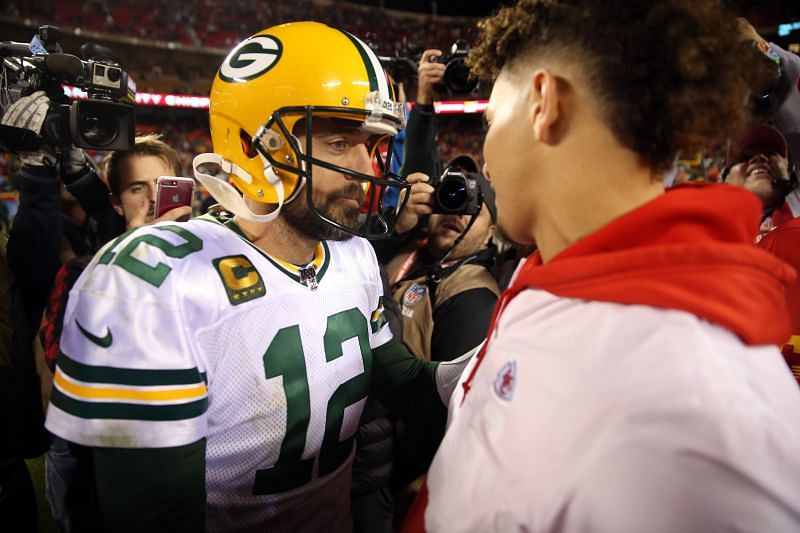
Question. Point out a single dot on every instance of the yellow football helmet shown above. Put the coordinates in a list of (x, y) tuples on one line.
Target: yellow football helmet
[(284, 74)]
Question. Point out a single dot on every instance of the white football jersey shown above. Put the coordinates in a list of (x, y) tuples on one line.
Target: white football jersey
[(177, 332)]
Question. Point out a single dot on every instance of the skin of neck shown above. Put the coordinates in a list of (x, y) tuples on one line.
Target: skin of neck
[(587, 194), (277, 238), (585, 178)]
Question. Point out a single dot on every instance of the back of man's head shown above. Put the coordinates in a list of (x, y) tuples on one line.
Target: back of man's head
[(661, 75)]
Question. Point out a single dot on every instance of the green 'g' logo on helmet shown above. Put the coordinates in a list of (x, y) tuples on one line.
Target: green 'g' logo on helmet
[(251, 58)]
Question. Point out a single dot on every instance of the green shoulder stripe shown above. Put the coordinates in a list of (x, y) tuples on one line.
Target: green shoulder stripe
[(127, 376)]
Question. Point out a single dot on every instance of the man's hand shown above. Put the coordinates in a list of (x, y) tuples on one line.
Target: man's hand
[(73, 161), (430, 73), (140, 217), (28, 113), (420, 202)]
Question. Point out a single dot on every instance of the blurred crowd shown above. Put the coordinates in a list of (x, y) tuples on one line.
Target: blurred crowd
[(219, 25)]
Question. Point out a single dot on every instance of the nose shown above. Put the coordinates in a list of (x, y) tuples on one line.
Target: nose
[(151, 193), (486, 172), (360, 160), (759, 158)]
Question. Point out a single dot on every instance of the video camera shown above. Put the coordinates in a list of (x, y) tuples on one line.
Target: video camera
[(104, 121), (456, 193)]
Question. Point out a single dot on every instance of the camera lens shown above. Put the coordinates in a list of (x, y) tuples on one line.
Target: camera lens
[(114, 74), (97, 128), (452, 194), (456, 77)]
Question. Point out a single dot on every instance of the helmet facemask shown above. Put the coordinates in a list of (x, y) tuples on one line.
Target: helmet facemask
[(285, 152)]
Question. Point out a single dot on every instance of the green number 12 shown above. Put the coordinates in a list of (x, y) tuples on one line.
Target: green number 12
[(285, 358)]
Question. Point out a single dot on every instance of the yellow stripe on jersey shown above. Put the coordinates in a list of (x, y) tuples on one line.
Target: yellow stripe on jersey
[(144, 394), (319, 258)]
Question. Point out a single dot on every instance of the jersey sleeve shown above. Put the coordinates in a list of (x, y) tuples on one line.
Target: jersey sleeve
[(127, 374)]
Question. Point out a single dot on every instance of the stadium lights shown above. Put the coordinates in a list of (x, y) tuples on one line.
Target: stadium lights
[(786, 29), (186, 101)]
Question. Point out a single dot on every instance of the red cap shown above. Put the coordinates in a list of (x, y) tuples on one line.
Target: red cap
[(760, 139)]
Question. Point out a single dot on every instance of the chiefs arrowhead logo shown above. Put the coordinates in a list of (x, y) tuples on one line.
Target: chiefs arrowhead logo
[(251, 59), (506, 381)]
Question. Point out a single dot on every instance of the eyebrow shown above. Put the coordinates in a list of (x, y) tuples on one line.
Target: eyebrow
[(138, 182)]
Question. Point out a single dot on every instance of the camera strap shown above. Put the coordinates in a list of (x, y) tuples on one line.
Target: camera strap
[(460, 238), (408, 262)]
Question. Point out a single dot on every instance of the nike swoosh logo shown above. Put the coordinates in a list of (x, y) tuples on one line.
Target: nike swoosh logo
[(103, 342)]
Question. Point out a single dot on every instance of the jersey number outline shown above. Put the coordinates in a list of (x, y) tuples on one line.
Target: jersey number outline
[(154, 275), (284, 357)]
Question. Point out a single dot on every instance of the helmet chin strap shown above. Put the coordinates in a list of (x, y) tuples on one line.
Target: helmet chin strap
[(227, 195)]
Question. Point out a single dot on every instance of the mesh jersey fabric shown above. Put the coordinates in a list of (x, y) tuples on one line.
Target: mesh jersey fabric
[(177, 332)]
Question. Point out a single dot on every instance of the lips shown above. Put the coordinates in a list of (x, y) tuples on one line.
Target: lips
[(453, 226), (350, 199), (758, 169)]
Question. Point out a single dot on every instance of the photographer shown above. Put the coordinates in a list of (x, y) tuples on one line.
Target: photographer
[(35, 239), (420, 147), (34, 256), (420, 156), (131, 176), (447, 292)]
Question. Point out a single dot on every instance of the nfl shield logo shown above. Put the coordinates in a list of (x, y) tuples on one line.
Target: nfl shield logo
[(506, 381), (414, 295)]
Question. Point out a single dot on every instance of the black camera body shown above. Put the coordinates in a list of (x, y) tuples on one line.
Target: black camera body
[(456, 72), (403, 66), (104, 121), (456, 193)]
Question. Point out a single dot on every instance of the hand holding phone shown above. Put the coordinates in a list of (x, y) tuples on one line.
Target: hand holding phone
[(172, 192)]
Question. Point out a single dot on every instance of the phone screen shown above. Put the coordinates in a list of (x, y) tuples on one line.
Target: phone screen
[(172, 192)]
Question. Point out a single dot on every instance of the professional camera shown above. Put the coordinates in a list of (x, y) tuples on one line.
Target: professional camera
[(104, 121), (456, 72), (403, 65), (456, 193)]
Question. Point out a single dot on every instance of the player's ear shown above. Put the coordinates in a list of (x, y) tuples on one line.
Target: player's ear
[(545, 106), (116, 203), (490, 234)]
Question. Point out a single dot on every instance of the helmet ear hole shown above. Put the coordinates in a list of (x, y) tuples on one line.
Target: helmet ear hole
[(247, 144)]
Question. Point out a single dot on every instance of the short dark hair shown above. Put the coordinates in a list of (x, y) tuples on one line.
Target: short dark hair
[(664, 72), (151, 145)]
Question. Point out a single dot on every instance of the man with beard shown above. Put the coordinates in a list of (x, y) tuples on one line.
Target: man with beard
[(218, 368)]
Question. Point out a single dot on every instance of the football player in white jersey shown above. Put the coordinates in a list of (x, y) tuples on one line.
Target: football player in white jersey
[(217, 369)]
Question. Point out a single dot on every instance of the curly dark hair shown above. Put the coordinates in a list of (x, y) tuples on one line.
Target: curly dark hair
[(665, 71)]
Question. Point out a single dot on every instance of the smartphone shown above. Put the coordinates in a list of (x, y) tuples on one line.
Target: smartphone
[(172, 192)]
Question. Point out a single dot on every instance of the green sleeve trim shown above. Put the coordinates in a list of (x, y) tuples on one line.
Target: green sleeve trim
[(155, 489), (404, 383), (127, 376), (128, 411)]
